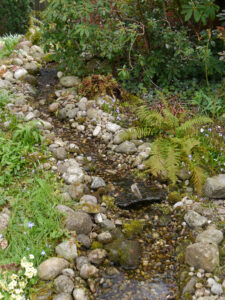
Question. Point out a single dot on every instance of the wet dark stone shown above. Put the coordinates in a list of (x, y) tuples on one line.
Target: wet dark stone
[(149, 195), (126, 253)]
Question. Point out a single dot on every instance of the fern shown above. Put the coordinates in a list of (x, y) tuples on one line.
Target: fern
[(179, 144), (156, 162), (198, 178), (172, 161), (192, 125)]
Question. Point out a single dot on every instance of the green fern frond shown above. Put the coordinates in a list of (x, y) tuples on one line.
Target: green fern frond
[(189, 144), (136, 133), (193, 124), (150, 118), (198, 178), (170, 120), (172, 162), (156, 162)]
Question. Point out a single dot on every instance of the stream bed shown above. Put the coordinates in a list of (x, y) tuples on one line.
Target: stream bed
[(155, 277)]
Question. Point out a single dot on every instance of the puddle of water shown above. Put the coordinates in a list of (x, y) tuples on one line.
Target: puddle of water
[(119, 288)]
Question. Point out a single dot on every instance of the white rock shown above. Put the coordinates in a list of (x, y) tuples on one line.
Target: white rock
[(80, 294), (30, 116), (217, 289), (20, 73), (112, 127), (97, 130)]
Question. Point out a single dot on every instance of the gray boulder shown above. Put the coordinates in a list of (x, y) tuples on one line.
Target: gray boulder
[(79, 221), (202, 256), (215, 187), (63, 284), (193, 219), (67, 250), (210, 236)]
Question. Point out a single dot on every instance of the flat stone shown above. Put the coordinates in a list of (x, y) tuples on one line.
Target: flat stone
[(51, 268), (210, 236), (126, 147), (88, 199), (67, 250), (69, 81), (64, 209), (193, 219), (63, 284), (93, 113), (79, 221), (215, 187), (112, 127), (30, 116), (202, 256)]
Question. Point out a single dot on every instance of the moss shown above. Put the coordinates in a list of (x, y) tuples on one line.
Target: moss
[(49, 57), (174, 197), (96, 245), (109, 200), (133, 228)]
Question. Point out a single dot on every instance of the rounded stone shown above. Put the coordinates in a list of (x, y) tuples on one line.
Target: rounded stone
[(80, 294), (210, 236), (88, 270), (63, 296), (193, 219), (51, 267), (97, 256), (202, 255), (79, 221), (69, 81), (63, 284), (67, 250)]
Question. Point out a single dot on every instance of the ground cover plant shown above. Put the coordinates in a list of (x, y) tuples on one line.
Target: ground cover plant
[(8, 44), (31, 196)]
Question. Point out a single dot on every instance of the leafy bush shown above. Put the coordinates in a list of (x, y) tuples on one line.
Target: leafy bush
[(14, 15), (140, 42)]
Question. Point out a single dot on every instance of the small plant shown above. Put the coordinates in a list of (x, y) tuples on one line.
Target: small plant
[(27, 134), (16, 285), (9, 43), (98, 85)]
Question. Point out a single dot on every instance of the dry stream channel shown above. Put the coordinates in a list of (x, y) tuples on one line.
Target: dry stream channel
[(156, 275)]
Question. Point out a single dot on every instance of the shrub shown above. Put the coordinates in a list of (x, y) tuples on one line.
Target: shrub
[(14, 15), (145, 41)]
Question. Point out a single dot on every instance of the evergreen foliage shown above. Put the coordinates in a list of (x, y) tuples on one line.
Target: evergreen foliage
[(14, 15)]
